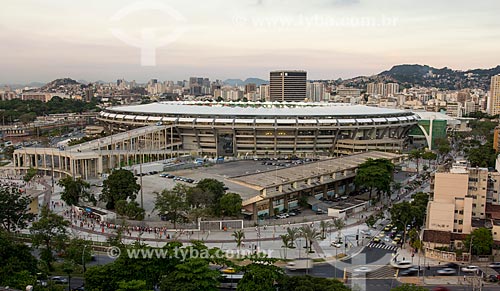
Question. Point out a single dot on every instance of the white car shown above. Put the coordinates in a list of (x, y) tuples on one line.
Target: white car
[(336, 244), (447, 272), (494, 265), (402, 265), (470, 269)]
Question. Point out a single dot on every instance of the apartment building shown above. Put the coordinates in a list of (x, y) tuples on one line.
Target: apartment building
[(463, 199)]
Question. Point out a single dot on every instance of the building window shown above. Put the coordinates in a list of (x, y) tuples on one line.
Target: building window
[(460, 222)]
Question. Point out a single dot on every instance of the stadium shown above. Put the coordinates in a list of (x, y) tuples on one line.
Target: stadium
[(267, 129)]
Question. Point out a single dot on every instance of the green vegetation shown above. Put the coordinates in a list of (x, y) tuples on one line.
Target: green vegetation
[(26, 110), (409, 287), (74, 190), (120, 185), (230, 204), (14, 209), (30, 174), (172, 205), (482, 241), (300, 283), (50, 234), (405, 213), (18, 266), (375, 174)]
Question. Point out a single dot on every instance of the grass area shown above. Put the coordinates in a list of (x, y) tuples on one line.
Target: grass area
[(318, 260)]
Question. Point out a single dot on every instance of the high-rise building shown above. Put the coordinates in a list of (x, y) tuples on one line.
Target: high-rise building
[(315, 91), (264, 92), (391, 89), (250, 88), (494, 101), (288, 85)]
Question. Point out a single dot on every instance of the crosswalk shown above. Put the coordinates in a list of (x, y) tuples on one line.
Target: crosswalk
[(373, 272), (390, 248)]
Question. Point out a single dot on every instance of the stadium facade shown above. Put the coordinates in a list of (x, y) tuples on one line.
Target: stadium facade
[(269, 129)]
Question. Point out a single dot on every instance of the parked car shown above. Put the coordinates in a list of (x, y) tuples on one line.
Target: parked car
[(446, 272), (376, 240), (59, 280), (492, 278), (164, 175), (320, 211), (470, 269), (171, 176)]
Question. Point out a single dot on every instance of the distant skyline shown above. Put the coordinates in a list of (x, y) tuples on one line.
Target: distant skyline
[(220, 39)]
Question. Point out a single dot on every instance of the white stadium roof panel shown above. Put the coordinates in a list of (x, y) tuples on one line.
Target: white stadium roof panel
[(130, 117), (347, 121), (392, 119), (224, 120), (205, 120), (244, 120), (264, 121), (141, 117), (379, 119), (286, 121), (155, 118), (307, 121), (292, 110), (364, 120), (183, 119)]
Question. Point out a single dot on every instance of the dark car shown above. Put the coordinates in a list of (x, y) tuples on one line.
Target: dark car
[(452, 265), (171, 176), (492, 278)]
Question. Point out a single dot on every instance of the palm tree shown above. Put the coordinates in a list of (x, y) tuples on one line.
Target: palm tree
[(324, 226), (285, 238), (293, 234), (238, 235), (310, 234), (416, 154), (338, 224)]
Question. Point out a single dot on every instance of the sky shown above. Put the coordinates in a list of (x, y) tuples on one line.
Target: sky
[(173, 40)]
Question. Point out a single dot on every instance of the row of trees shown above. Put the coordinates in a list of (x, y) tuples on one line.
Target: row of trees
[(27, 110), (208, 198), (119, 193), (310, 234)]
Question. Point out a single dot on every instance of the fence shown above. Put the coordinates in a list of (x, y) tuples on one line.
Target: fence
[(221, 225)]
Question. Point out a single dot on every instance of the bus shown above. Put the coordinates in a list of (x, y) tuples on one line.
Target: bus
[(230, 281)]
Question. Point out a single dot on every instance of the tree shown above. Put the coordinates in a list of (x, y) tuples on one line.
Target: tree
[(30, 174), (172, 204), (197, 197), (8, 152), (131, 209), (310, 234), (482, 241), (239, 236), (73, 190), (50, 233), (409, 287), (323, 225), (429, 156), (375, 174), (230, 204), (78, 249), (294, 234), (338, 224), (259, 276), (18, 264), (285, 239), (299, 283), (27, 117), (192, 275), (416, 154), (443, 146), (120, 185), (216, 188), (133, 285), (14, 209)]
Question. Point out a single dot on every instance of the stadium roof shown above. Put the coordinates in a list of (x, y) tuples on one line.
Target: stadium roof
[(256, 109)]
